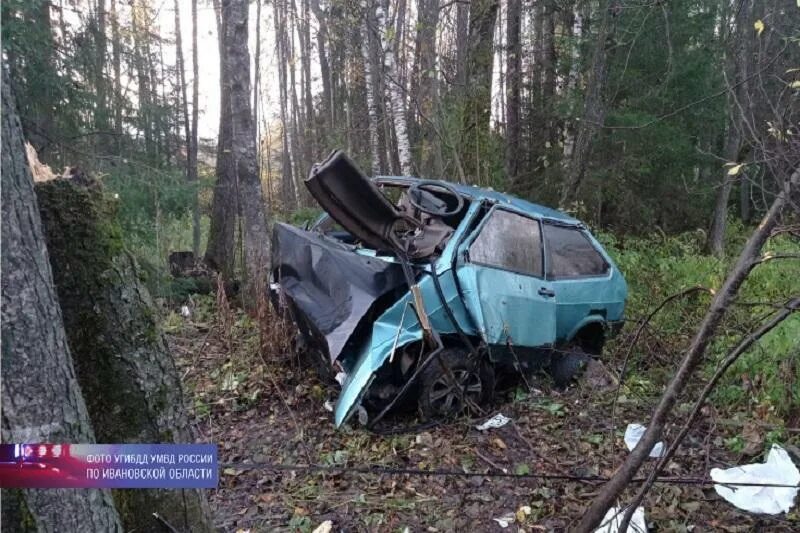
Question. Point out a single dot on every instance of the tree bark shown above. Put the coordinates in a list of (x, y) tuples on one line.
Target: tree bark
[(738, 60), (132, 387), (425, 87), (116, 55), (245, 160), (694, 355), (372, 104), (193, 146), (324, 66), (398, 107), (513, 84), (594, 110), (288, 192), (478, 90), (44, 405), (224, 205)]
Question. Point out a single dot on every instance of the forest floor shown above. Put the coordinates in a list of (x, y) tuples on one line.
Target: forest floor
[(270, 409)]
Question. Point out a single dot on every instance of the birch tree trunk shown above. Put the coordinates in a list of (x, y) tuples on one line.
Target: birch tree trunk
[(194, 144), (245, 160), (45, 405), (398, 107), (372, 105)]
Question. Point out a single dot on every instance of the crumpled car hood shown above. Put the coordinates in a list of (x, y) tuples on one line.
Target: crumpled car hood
[(328, 286)]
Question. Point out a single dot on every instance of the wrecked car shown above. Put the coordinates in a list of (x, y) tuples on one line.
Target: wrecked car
[(429, 291)]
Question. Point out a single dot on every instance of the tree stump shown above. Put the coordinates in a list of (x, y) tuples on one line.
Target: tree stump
[(124, 367)]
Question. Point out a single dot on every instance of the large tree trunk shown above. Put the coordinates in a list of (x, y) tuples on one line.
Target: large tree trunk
[(513, 84), (324, 66), (41, 399), (224, 205), (122, 362), (398, 106), (245, 160), (594, 110)]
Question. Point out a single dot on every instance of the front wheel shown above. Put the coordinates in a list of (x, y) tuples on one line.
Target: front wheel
[(454, 383)]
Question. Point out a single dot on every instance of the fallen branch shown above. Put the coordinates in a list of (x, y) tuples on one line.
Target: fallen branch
[(791, 307), (694, 355)]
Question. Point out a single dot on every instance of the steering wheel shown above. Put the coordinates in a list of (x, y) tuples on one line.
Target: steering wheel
[(415, 197)]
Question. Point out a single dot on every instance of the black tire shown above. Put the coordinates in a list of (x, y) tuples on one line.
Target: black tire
[(439, 398), (567, 364)]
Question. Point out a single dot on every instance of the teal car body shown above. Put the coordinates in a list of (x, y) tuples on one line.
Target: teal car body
[(512, 274)]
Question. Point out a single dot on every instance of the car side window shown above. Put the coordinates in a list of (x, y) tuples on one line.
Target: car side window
[(509, 241), (570, 254)]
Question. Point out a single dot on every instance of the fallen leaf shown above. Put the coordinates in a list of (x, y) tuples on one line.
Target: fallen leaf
[(759, 26)]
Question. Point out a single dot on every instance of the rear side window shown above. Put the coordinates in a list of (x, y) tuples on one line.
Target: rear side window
[(571, 254), (509, 241)]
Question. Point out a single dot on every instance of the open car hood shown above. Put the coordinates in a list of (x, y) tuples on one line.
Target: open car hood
[(354, 201)]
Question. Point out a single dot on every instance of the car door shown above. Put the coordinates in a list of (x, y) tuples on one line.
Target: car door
[(579, 275), (500, 270)]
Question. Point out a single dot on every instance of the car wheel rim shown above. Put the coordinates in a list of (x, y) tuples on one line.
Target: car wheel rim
[(445, 395)]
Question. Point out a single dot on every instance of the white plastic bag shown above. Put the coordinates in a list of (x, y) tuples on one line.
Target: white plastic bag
[(633, 435), (778, 469), (498, 420), (611, 521)]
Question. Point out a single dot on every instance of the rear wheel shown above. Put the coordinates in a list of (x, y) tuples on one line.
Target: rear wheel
[(453, 383), (568, 364)]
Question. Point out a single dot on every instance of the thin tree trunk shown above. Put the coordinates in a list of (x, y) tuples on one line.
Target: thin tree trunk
[(513, 84), (324, 66), (594, 110), (194, 145), (116, 59), (45, 405), (288, 193), (478, 93), (398, 107), (425, 86), (738, 68), (372, 106), (576, 35), (101, 111), (694, 355), (251, 198)]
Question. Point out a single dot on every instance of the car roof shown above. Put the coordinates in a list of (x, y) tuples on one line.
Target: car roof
[(479, 193)]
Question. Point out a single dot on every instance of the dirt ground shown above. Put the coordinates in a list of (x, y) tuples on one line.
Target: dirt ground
[(270, 408)]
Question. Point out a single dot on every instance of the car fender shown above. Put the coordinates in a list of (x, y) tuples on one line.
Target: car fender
[(587, 320)]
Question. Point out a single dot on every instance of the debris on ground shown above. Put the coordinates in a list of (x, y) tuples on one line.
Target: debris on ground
[(634, 433), (497, 421), (613, 518), (778, 469)]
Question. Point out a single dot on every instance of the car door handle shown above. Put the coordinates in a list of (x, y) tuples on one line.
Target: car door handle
[(544, 291)]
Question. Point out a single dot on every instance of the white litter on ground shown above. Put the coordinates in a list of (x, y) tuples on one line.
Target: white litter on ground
[(328, 405), (340, 378), (506, 520), (324, 527), (497, 421), (778, 469), (634, 433), (611, 521), (185, 311)]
